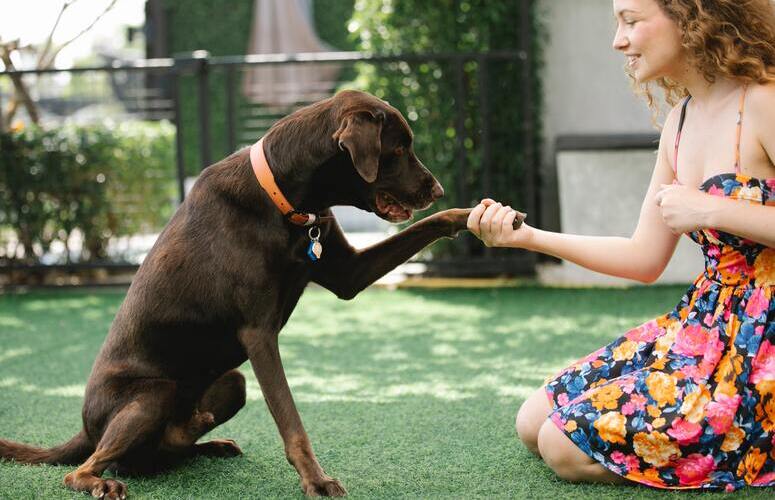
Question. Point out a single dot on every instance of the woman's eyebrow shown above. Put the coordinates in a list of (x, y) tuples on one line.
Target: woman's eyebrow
[(625, 11)]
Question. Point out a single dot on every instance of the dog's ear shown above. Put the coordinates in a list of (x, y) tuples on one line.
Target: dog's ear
[(359, 134)]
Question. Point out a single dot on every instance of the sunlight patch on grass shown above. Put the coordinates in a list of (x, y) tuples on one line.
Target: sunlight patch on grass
[(330, 384), (76, 390), (85, 302), (12, 322), (438, 389), (21, 385), (444, 350), (10, 382), (390, 352), (465, 334), (14, 353), (311, 387)]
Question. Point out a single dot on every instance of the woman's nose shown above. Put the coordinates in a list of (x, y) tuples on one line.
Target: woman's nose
[(620, 41)]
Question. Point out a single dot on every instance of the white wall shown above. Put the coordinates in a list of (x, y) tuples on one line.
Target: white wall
[(585, 88), (601, 193)]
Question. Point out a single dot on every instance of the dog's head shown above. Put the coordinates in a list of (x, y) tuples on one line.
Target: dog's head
[(378, 141)]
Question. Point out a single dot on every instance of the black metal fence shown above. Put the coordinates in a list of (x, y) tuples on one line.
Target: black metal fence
[(184, 90)]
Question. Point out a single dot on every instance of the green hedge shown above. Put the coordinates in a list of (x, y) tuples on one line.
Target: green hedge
[(104, 181), (427, 92)]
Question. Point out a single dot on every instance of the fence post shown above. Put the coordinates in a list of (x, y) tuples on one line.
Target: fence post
[(176, 70), (531, 180), (231, 120), (484, 130), (460, 132), (466, 241), (201, 59)]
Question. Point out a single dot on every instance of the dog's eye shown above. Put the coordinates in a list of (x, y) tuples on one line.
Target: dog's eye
[(399, 151)]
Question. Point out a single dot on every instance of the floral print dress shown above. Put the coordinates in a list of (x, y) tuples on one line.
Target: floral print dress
[(687, 400)]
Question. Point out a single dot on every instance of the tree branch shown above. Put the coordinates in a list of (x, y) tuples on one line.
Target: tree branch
[(12, 107), (50, 38), (21, 89), (50, 61)]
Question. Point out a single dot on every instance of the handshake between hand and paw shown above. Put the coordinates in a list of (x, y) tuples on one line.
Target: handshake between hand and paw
[(496, 224)]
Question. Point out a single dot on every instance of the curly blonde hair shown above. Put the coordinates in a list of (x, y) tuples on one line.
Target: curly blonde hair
[(727, 38)]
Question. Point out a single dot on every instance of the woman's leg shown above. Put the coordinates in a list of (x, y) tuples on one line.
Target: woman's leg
[(568, 461), (530, 417)]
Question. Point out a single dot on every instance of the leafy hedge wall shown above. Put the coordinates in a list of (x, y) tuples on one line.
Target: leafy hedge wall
[(103, 181), (426, 91)]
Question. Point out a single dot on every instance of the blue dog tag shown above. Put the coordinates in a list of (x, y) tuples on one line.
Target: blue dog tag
[(315, 248)]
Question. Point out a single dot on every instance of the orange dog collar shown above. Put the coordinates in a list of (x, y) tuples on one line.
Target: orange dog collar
[(267, 182)]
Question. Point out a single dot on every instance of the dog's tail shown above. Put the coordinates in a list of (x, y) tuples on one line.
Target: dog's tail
[(73, 452)]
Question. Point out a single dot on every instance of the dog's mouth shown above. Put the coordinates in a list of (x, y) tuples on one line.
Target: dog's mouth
[(390, 209)]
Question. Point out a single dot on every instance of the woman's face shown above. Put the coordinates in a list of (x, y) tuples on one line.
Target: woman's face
[(650, 40)]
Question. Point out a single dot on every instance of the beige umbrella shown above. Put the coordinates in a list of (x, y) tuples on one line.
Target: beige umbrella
[(284, 26)]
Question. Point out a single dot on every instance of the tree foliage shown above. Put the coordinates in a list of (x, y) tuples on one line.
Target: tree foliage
[(427, 92), (101, 181)]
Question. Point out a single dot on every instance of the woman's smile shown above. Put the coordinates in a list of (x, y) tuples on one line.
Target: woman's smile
[(632, 60)]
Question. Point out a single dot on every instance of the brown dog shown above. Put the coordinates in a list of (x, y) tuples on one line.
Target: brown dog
[(222, 280)]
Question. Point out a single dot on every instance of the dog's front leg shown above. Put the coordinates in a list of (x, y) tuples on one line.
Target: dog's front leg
[(264, 355), (346, 271)]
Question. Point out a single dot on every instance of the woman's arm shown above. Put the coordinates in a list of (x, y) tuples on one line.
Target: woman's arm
[(754, 222), (686, 209), (641, 257)]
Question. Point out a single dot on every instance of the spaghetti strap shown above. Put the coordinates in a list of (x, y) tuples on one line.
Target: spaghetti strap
[(678, 136), (739, 128)]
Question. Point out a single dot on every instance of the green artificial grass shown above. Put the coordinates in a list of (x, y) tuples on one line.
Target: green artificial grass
[(408, 393)]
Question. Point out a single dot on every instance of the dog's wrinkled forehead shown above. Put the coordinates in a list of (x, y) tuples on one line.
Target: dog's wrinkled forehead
[(394, 122), (403, 130)]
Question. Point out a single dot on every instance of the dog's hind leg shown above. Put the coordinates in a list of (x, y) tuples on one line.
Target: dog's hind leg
[(221, 401), (136, 424)]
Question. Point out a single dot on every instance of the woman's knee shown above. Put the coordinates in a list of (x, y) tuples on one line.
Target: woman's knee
[(531, 415), (561, 454)]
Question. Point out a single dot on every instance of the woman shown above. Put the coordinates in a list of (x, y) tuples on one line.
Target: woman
[(686, 400)]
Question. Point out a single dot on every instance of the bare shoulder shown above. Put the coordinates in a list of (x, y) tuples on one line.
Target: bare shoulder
[(761, 104), (760, 115), (667, 136), (670, 127)]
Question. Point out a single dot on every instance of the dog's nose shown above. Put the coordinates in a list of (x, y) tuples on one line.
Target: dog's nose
[(437, 191)]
